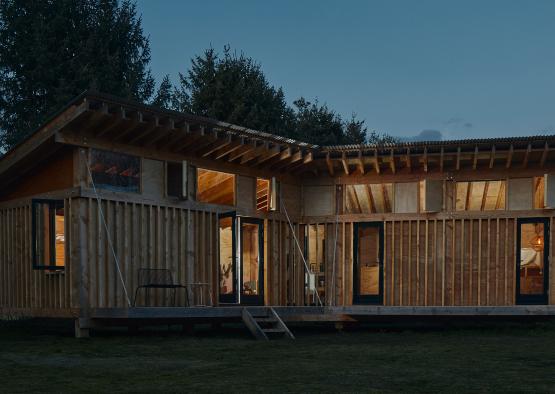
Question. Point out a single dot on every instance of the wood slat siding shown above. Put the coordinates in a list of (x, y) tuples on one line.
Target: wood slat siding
[(24, 290), (149, 236), (431, 262)]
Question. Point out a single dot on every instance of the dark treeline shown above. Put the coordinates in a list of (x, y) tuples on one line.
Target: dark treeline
[(52, 50)]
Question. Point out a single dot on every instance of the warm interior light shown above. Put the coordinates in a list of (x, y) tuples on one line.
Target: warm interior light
[(537, 241)]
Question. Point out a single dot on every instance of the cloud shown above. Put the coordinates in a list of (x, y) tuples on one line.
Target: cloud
[(424, 135), (456, 122)]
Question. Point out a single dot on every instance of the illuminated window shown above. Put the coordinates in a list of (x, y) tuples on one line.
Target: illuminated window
[(371, 198), (115, 171), (480, 195), (263, 196), (48, 226), (215, 187)]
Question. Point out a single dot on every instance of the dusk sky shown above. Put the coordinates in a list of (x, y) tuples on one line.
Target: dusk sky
[(467, 69)]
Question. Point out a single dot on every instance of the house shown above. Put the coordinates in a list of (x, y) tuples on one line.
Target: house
[(108, 187)]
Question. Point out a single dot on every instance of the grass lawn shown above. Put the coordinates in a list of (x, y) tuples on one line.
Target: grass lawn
[(507, 357)]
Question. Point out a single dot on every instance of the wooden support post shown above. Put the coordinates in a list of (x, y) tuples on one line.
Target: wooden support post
[(82, 329)]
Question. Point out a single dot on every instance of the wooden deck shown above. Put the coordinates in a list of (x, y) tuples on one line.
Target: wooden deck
[(322, 314)]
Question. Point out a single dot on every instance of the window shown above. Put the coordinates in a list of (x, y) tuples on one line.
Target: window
[(115, 171), (317, 257), (371, 198), (480, 195), (215, 187), (265, 195), (175, 181), (48, 226)]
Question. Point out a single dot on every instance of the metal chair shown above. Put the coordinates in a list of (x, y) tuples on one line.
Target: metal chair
[(157, 278)]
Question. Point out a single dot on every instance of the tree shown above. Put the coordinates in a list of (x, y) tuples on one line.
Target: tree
[(52, 50), (164, 95), (317, 124), (232, 89)]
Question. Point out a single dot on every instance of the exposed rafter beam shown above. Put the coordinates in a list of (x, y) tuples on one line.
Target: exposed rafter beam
[(510, 156), (150, 127), (544, 155), (441, 159), (376, 161), (526, 156), (492, 157), (121, 118), (392, 161), (215, 146), (329, 163), (230, 149), (425, 159), (458, 164), (360, 162), (345, 163), (409, 161), (475, 160)]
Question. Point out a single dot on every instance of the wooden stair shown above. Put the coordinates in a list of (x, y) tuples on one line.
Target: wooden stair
[(265, 323)]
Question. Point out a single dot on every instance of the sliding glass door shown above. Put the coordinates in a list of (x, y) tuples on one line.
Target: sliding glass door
[(252, 261), (241, 263), (368, 266), (532, 261)]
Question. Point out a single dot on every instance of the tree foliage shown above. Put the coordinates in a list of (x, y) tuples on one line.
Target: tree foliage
[(233, 88), (52, 50)]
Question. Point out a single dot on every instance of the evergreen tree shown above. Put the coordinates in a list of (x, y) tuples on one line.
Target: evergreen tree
[(164, 95), (317, 124), (232, 89), (52, 50)]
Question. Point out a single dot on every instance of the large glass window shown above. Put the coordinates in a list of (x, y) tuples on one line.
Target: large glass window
[(48, 226), (369, 198), (215, 187), (480, 195), (531, 265), (115, 171)]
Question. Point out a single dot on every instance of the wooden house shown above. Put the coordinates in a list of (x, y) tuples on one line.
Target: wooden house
[(108, 187)]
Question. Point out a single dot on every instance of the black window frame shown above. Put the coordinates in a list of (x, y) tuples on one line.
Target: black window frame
[(53, 205)]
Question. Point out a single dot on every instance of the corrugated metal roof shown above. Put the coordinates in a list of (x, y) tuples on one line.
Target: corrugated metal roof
[(422, 144)]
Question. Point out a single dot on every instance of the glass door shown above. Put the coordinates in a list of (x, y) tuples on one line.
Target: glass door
[(252, 261), (228, 261), (368, 266), (532, 261)]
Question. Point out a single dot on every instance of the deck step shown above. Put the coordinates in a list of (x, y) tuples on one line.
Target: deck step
[(273, 330), (258, 324)]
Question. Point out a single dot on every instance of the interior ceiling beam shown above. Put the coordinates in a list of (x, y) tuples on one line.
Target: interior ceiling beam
[(345, 163), (329, 163)]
